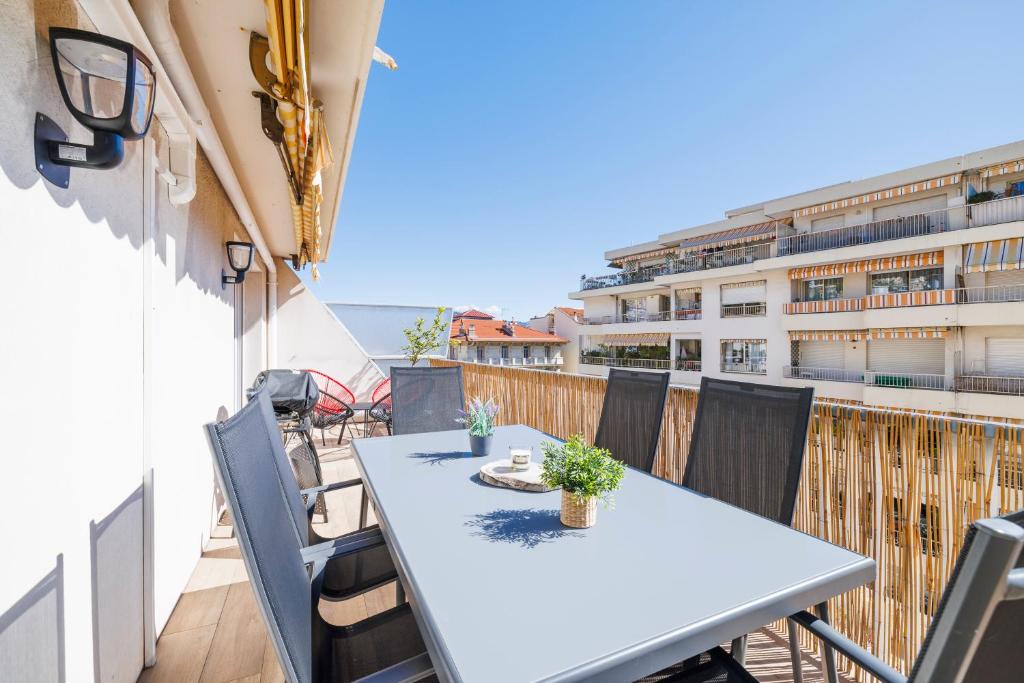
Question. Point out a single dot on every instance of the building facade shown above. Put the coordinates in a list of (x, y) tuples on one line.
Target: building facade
[(477, 337), (565, 322), (902, 290)]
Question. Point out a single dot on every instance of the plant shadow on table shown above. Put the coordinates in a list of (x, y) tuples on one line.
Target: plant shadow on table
[(526, 528), (440, 457)]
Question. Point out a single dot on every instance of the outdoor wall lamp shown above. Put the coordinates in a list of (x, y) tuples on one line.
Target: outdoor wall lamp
[(109, 87), (240, 260)]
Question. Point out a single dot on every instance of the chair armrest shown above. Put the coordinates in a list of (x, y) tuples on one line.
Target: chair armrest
[(867, 661), (309, 495), (340, 547), (413, 669)]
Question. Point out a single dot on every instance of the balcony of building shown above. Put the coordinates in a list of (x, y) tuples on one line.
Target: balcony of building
[(744, 310), (517, 362)]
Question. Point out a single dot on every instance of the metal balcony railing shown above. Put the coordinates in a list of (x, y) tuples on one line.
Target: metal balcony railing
[(990, 295), (743, 310), (691, 311), (930, 223), (906, 380), (519, 362), (752, 368), (608, 361), (687, 365), (927, 297), (624, 278), (823, 374), (661, 316), (692, 262), (990, 384)]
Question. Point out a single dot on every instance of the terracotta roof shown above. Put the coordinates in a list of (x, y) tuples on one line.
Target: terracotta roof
[(473, 314), (571, 312), (492, 331)]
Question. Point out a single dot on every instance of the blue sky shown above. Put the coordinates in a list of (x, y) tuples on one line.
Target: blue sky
[(520, 140)]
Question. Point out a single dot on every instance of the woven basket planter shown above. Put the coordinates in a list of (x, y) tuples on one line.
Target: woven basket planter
[(577, 513)]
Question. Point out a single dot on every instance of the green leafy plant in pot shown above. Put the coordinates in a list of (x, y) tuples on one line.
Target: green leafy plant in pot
[(585, 474), (479, 420)]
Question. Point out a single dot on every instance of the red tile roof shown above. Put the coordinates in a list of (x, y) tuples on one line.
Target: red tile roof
[(492, 331), (571, 312), (473, 314)]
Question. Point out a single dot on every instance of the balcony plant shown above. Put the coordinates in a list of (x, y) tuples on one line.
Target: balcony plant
[(479, 420), (585, 474)]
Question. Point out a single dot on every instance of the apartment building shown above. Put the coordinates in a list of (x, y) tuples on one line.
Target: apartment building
[(565, 322), (902, 290), (477, 337)]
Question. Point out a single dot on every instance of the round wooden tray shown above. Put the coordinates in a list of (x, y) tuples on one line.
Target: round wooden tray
[(500, 473)]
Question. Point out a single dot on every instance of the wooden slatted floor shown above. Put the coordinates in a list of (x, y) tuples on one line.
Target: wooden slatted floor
[(216, 635)]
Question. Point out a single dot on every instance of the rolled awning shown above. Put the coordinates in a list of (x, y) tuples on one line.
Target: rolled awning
[(868, 197), (924, 259), (305, 137), (909, 333), (645, 255), (743, 341), (827, 335), (724, 238), (639, 339), (996, 255)]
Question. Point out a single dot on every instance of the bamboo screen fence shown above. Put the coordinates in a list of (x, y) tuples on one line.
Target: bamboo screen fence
[(901, 488)]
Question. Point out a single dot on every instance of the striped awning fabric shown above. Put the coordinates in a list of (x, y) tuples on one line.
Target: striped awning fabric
[(724, 238), (744, 285), (925, 297), (305, 137), (1002, 169), (891, 193), (639, 339), (825, 306), (743, 341), (909, 333), (645, 255), (928, 258), (827, 335), (997, 255)]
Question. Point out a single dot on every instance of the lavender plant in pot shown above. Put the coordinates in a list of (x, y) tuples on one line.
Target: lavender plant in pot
[(479, 420)]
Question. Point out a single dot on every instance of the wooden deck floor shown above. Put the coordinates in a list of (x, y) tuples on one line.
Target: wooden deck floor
[(216, 634)]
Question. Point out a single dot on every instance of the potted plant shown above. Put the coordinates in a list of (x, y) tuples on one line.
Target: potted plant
[(479, 419), (585, 474)]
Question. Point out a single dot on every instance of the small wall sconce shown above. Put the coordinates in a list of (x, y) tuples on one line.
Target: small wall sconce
[(240, 260), (109, 87)]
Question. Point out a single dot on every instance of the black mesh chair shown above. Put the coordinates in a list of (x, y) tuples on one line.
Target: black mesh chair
[(425, 399), (634, 405), (747, 449), (974, 637), (347, 575), (287, 579)]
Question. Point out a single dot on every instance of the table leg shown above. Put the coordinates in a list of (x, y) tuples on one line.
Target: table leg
[(828, 660), (794, 652), (739, 649), (399, 592), (364, 505)]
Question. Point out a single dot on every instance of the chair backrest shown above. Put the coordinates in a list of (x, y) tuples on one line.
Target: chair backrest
[(748, 445), (381, 390), (425, 399), (243, 449), (335, 392), (976, 633), (634, 405)]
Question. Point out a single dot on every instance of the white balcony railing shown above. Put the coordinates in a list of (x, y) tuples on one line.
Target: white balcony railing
[(823, 374), (991, 384), (743, 310), (990, 295), (519, 362), (687, 365), (608, 361), (929, 297), (906, 380), (751, 368), (661, 316)]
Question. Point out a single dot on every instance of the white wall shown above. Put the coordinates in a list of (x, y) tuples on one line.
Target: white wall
[(118, 344), (310, 336)]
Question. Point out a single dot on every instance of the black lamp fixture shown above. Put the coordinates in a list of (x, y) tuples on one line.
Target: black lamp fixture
[(109, 87), (240, 260)]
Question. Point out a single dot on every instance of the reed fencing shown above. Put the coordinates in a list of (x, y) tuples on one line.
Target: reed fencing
[(898, 486)]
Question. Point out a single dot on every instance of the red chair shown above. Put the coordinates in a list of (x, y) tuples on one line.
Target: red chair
[(334, 407), (380, 411)]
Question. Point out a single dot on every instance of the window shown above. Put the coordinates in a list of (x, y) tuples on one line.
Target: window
[(480, 353), (744, 355), (904, 281), (824, 289), (547, 352), (931, 540), (504, 351), (526, 351), (634, 309)]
